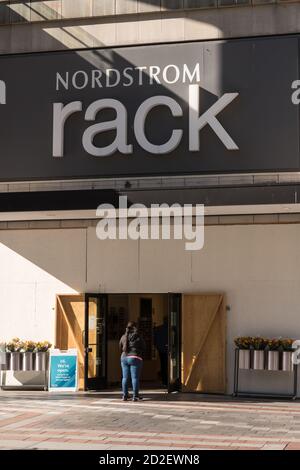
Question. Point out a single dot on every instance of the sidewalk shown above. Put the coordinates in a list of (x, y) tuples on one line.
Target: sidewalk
[(40, 420)]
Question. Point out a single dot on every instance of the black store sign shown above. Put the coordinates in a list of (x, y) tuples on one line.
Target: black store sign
[(192, 108)]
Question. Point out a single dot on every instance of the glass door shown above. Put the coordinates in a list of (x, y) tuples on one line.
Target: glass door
[(95, 342), (174, 342)]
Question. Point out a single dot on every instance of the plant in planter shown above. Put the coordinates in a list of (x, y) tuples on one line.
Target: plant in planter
[(29, 346), (41, 355), (3, 357), (286, 345), (259, 344), (14, 347), (28, 349), (43, 346), (274, 344), (243, 342), (273, 354)]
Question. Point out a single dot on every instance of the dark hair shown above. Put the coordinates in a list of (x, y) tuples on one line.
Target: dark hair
[(130, 328)]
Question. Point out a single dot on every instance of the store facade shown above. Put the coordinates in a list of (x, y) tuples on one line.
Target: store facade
[(183, 121)]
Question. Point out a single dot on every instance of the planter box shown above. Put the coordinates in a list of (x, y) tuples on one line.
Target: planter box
[(27, 362), (258, 360), (287, 364), (4, 361), (41, 361), (27, 379), (15, 361), (244, 359), (273, 360)]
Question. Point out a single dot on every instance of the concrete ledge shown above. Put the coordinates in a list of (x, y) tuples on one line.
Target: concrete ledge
[(246, 219), (16, 11), (138, 28), (158, 182)]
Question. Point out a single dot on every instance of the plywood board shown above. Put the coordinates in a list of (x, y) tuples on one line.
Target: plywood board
[(203, 343), (70, 311)]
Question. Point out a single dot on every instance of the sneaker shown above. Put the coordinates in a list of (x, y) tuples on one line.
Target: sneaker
[(124, 398), (135, 399)]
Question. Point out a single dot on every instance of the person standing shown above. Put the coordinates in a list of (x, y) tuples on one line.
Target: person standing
[(132, 347), (160, 336)]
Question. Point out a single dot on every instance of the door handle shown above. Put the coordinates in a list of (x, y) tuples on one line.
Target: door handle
[(83, 337)]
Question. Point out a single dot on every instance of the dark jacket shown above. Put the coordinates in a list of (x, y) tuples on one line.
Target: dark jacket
[(160, 336), (136, 345)]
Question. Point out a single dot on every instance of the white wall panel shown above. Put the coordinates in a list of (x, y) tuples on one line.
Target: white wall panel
[(27, 255), (113, 265), (35, 265), (165, 266)]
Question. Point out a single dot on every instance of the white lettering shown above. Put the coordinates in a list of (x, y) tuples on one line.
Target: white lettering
[(106, 229), (2, 92), (64, 82), (177, 74), (141, 72), (196, 236), (80, 80), (96, 76), (138, 228), (128, 76), (190, 76), (112, 81), (140, 119), (119, 124), (60, 115), (154, 71), (209, 117), (296, 94)]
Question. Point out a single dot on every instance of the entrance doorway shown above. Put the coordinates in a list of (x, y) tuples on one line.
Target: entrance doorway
[(196, 339), (158, 318)]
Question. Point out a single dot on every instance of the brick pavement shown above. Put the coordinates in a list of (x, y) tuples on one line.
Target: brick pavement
[(40, 420)]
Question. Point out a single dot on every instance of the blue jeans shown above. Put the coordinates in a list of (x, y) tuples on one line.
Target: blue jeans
[(131, 366)]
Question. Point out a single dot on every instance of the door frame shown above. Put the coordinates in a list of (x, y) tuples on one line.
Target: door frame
[(94, 383), (174, 351), (179, 296), (87, 295)]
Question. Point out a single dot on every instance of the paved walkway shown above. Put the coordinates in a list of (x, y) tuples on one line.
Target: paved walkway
[(40, 420)]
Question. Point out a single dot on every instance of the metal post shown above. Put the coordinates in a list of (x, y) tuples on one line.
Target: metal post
[(236, 372), (295, 381)]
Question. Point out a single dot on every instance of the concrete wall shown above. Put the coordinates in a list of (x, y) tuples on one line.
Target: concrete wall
[(257, 266), (18, 11), (35, 265), (141, 28)]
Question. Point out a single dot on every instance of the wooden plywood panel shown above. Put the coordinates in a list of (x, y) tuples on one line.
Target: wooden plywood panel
[(70, 311), (203, 343)]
